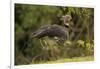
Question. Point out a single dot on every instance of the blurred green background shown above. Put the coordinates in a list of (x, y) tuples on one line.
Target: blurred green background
[(29, 18)]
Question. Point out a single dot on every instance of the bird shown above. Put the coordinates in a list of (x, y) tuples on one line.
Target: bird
[(58, 32)]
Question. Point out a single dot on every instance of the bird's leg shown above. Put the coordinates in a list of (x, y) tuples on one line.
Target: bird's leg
[(41, 42), (46, 44)]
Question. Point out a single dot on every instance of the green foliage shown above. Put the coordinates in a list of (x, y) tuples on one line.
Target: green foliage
[(75, 59), (28, 18), (79, 48)]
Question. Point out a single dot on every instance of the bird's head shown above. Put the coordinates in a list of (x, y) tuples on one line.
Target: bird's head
[(66, 19)]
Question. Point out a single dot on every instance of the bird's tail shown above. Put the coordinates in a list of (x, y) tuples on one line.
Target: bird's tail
[(39, 33)]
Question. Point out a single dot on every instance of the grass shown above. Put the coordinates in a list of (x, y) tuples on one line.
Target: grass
[(75, 59)]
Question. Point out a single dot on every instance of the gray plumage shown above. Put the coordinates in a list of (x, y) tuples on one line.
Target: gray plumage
[(58, 32)]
